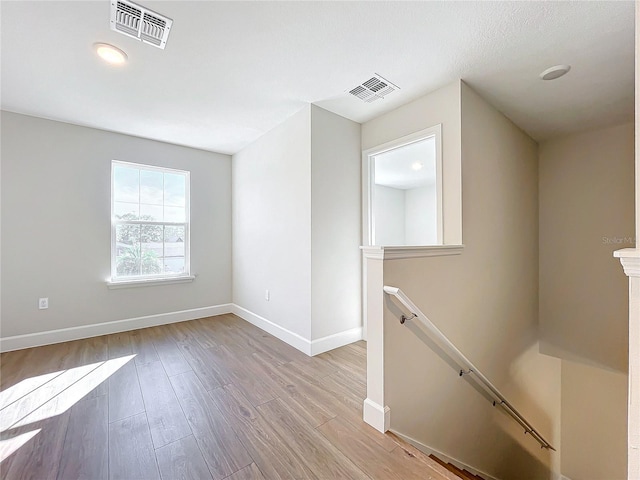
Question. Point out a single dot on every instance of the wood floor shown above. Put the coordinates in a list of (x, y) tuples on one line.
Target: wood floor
[(211, 398)]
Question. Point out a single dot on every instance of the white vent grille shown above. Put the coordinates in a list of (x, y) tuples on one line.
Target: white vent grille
[(139, 22), (376, 88)]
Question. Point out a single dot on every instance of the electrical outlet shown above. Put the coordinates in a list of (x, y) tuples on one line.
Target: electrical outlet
[(43, 303), (266, 295)]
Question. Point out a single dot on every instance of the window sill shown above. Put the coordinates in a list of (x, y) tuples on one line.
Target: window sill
[(149, 282), (392, 253)]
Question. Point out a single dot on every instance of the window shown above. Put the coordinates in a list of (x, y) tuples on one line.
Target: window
[(149, 223), (403, 197)]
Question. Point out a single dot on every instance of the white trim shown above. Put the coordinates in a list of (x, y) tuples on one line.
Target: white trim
[(630, 259), (443, 456), (394, 253), (147, 282), (268, 326), (29, 340), (336, 340), (376, 416)]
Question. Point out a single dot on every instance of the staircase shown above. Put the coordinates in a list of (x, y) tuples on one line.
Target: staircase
[(434, 468)]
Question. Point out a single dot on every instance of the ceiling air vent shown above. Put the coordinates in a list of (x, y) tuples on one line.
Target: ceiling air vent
[(139, 22), (374, 89)]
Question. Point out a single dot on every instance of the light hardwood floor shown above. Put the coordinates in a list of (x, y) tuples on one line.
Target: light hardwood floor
[(210, 398)]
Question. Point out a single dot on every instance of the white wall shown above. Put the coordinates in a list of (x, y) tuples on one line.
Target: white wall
[(389, 215), (272, 225), (336, 224), (485, 301), (421, 216), (56, 187), (296, 228)]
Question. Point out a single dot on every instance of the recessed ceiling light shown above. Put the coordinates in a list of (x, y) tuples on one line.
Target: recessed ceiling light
[(417, 166), (110, 54), (555, 72)]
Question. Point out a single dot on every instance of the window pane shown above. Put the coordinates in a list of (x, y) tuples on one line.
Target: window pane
[(174, 265), (174, 242), (125, 211), (150, 187), (126, 184), (175, 189), (174, 214), (151, 234), (127, 235), (151, 213), (151, 258), (127, 250)]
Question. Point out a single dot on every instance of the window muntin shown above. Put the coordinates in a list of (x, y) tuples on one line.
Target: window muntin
[(150, 222)]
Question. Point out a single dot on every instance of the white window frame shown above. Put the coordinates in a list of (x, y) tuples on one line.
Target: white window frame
[(155, 279), (368, 180)]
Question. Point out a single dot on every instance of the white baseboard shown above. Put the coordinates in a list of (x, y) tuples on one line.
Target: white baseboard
[(336, 340), (443, 456), (310, 348), (18, 342), (268, 326), (376, 416)]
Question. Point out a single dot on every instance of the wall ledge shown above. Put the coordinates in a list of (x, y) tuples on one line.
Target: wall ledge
[(630, 259), (397, 252)]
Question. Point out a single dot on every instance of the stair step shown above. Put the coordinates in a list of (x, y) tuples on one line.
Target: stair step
[(463, 474), (423, 458), (472, 475)]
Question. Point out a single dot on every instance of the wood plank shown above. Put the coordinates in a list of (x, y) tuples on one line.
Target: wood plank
[(119, 344), (125, 397), (86, 445), (274, 458), (166, 419), (131, 452), (370, 457), (319, 454), (219, 444), (142, 347), (205, 365), (170, 355), (310, 406), (39, 458), (252, 472), (182, 460), (73, 391), (15, 413)]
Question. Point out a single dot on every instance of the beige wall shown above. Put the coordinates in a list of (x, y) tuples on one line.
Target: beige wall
[(56, 226), (439, 107), (594, 423), (586, 213), (485, 301)]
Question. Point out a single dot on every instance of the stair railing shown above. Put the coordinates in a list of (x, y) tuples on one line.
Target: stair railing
[(464, 364)]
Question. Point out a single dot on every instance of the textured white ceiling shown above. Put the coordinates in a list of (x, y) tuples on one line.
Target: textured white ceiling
[(233, 70)]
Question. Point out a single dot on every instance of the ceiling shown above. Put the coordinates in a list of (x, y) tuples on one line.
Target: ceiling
[(233, 70), (407, 167)]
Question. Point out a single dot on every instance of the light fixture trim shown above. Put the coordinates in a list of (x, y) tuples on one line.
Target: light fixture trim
[(554, 72), (110, 54)]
